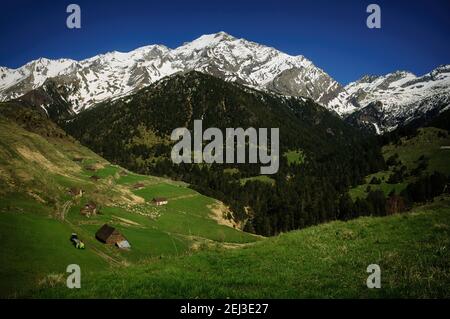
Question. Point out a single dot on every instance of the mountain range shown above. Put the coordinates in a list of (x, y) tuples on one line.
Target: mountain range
[(398, 98), (377, 103)]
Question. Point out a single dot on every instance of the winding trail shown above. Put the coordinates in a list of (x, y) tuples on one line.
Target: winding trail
[(65, 208)]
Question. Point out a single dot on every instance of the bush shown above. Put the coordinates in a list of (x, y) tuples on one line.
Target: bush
[(393, 160)]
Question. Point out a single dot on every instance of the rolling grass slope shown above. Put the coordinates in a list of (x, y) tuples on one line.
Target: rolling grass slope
[(38, 214), (185, 249), (325, 261)]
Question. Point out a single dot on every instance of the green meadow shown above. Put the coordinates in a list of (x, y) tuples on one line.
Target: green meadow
[(325, 261), (38, 214), (295, 157)]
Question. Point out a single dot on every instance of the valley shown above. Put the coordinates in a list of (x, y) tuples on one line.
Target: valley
[(187, 248), (88, 177), (134, 132)]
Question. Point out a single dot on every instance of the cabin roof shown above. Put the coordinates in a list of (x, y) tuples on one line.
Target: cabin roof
[(105, 232)]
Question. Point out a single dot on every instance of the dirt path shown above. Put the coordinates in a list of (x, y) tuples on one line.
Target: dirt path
[(65, 208), (184, 196), (106, 257)]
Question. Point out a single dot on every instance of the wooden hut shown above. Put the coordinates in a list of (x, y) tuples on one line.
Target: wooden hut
[(75, 191), (159, 201), (95, 178), (109, 235), (138, 185), (89, 209)]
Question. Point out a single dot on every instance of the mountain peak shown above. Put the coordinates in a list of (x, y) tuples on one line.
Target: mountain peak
[(152, 47), (368, 78), (402, 74), (223, 34), (208, 40)]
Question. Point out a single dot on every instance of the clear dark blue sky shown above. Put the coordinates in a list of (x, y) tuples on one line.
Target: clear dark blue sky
[(415, 35)]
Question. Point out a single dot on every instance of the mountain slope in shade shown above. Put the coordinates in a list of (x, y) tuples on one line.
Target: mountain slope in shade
[(398, 98), (116, 74)]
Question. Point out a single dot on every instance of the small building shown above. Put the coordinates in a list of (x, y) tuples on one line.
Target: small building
[(91, 168), (89, 209), (138, 185), (159, 201), (111, 236), (95, 178), (123, 173), (75, 191)]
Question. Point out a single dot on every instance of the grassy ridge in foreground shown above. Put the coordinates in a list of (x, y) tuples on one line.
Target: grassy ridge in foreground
[(329, 260)]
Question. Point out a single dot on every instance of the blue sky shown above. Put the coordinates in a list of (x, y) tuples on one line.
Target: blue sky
[(415, 35)]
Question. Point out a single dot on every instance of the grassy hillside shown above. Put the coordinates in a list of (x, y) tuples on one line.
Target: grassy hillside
[(326, 261), (38, 214)]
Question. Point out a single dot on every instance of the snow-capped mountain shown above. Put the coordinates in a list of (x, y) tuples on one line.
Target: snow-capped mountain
[(116, 74), (14, 83), (398, 98), (379, 103)]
